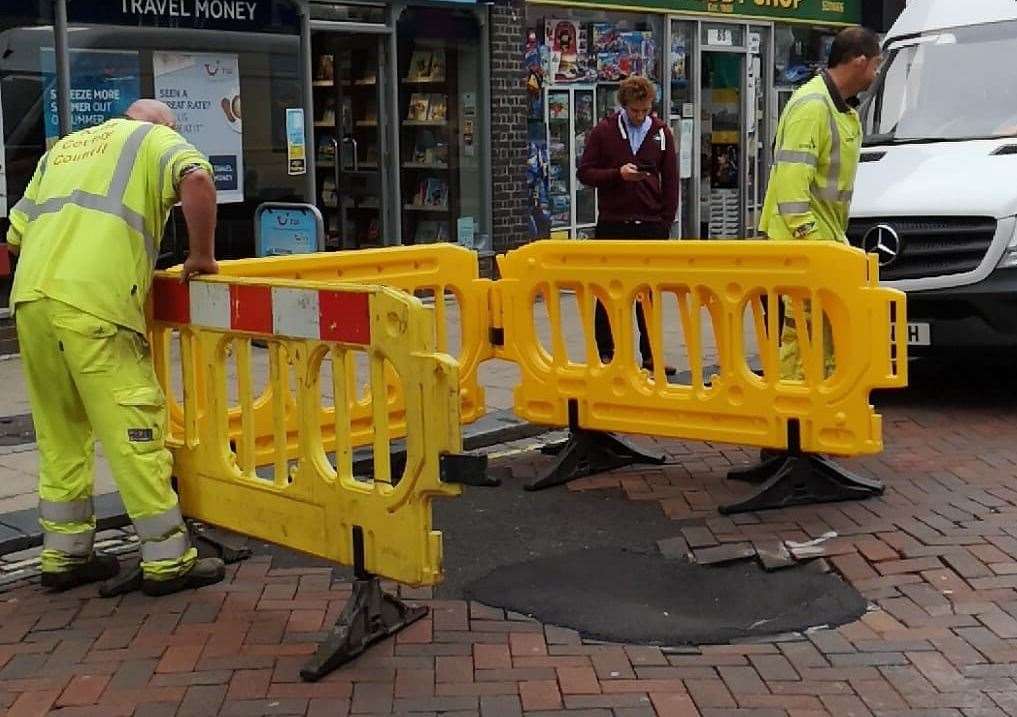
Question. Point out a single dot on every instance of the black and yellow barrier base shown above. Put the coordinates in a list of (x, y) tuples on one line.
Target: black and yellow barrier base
[(586, 452), (796, 478)]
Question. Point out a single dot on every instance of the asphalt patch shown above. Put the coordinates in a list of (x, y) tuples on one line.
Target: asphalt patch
[(623, 596), (506, 531)]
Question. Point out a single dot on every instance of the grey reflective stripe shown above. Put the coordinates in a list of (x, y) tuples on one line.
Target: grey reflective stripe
[(794, 207), (165, 160), (87, 200), (125, 163), (171, 548), (833, 176), (832, 194), (26, 206), (75, 544), (70, 511), (793, 157), (157, 527)]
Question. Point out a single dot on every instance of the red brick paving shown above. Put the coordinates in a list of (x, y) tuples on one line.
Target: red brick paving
[(936, 556)]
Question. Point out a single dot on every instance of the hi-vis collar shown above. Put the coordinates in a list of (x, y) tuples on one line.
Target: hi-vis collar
[(625, 134)]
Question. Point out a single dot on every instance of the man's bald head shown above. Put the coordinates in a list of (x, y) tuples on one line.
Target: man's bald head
[(152, 111)]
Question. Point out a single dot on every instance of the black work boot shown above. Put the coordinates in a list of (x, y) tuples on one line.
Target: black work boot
[(205, 571), (99, 567)]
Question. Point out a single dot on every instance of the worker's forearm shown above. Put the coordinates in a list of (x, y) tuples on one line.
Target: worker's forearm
[(197, 198)]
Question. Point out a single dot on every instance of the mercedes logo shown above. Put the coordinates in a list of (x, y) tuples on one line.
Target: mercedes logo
[(883, 241)]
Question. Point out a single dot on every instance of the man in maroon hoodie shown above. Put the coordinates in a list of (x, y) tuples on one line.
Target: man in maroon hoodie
[(630, 159)]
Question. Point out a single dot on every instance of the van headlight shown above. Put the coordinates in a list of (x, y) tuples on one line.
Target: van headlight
[(1009, 258)]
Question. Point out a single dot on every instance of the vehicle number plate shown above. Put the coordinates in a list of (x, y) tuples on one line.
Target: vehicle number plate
[(919, 334)]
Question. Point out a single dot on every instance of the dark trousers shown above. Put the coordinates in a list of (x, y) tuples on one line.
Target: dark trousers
[(602, 325)]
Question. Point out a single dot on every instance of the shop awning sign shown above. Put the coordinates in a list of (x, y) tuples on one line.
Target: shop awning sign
[(242, 15), (820, 11)]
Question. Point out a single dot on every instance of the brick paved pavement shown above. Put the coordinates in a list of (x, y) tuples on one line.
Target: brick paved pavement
[(936, 556)]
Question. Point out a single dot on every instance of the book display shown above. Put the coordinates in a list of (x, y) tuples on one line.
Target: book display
[(347, 140), (573, 71), (428, 128)]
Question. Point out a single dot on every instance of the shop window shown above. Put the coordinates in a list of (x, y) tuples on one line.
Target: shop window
[(799, 53), (574, 61), (23, 33), (439, 116), (228, 73)]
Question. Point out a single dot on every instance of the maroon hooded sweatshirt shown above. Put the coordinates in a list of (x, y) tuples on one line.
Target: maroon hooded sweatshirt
[(655, 199)]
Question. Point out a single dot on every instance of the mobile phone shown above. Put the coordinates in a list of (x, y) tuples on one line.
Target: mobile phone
[(647, 167)]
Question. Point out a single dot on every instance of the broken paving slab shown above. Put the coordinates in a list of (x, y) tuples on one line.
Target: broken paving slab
[(773, 554), (727, 553), (674, 548)]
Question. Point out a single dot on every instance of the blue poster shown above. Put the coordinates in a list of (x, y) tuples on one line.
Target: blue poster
[(104, 83), (288, 229)]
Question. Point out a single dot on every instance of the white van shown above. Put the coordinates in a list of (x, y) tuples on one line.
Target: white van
[(936, 194)]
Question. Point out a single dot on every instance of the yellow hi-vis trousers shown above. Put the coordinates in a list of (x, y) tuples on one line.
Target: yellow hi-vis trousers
[(85, 374), (791, 368)]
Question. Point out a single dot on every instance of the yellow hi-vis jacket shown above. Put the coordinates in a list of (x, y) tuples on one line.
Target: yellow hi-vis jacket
[(91, 220), (815, 161)]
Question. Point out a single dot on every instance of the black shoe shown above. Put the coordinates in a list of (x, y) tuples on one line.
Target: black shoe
[(126, 581), (99, 567), (669, 371), (206, 571)]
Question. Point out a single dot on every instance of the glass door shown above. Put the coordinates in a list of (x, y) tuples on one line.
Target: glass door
[(682, 114), (559, 165), (756, 126), (585, 197), (722, 147), (348, 87)]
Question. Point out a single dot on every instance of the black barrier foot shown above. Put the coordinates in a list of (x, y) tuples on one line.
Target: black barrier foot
[(588, 452), (796, 478), (758, 473), (466, 469), (370, 615), (230, 547)]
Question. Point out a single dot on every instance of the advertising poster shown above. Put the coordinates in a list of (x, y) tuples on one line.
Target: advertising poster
[(296, 152), (104, 83), (204, 91)]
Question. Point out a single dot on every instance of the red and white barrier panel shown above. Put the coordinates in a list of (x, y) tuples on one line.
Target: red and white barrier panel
[(342, 316)]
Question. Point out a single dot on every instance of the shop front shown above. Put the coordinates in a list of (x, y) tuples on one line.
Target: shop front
[(377, 113), (724, 71)]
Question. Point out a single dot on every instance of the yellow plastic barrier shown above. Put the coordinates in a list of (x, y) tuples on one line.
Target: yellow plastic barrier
[(435, 270), (717, 286), (312, 329)]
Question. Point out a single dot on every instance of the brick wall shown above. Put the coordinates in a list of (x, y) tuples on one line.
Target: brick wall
[(508, 124)]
